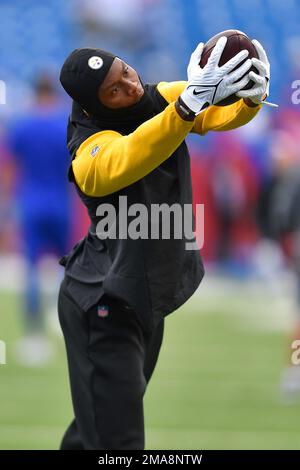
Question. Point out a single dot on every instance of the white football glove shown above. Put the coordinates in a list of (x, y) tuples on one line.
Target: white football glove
[(211, 84), (260, 90)]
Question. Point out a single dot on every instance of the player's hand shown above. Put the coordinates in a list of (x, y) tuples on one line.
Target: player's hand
[(260, 90), (211, 84)]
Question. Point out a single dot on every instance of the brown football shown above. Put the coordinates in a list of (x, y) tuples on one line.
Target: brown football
[(236, 42)]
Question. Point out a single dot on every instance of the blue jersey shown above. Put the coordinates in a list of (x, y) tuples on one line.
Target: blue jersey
[(39, 144)]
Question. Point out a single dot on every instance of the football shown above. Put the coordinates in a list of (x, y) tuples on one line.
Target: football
[(236, 42)]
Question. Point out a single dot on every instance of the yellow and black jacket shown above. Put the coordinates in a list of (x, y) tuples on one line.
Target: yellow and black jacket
[(149, 166)]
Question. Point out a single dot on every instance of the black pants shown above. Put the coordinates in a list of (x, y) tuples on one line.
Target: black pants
[(110, 363)]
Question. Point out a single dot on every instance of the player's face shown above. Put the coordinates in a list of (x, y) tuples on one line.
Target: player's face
[(121, 87)]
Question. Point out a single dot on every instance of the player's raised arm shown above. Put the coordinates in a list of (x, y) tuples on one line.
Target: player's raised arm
[(109, 161)]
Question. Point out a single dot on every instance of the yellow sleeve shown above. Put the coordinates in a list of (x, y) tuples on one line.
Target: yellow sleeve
[(107, 161), (171, 90), (224, 118), (214, 118)]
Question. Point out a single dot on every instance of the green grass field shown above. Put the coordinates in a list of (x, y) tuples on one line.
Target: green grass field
[(215, 386)]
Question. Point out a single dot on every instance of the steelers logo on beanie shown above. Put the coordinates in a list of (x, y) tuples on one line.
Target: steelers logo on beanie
[(82, 73), (95, 62)]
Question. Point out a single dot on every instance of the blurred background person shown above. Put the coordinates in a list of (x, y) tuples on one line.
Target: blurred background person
[(235, 190), (282, 223), (38, 144)]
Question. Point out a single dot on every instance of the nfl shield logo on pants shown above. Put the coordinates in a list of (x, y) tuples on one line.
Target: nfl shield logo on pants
[(102, 311)]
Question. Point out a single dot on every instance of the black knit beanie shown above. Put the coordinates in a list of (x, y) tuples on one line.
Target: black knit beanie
[(82, 74)]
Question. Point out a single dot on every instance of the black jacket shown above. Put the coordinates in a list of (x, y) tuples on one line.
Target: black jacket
[(153, 276)]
